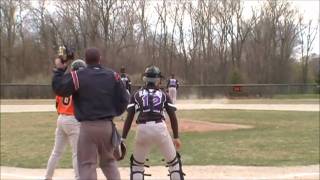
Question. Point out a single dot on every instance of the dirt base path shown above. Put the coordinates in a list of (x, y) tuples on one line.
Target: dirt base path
[(192, 173), (184, 106)]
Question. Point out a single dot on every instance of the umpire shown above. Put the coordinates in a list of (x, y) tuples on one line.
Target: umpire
[(98, 95)]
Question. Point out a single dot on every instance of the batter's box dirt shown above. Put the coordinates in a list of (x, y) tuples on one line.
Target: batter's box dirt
[(186, 125)]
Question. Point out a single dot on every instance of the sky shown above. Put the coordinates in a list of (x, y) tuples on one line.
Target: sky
[(310, 10)]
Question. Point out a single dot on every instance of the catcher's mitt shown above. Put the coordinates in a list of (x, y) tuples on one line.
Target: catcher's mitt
[(120, 148), (120, 151)]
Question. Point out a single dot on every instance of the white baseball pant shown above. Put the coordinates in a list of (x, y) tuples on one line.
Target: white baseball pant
[(67, 131), (173, 94), (153, 134)]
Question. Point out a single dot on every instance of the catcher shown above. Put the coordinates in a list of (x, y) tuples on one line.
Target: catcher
[(150, 101)]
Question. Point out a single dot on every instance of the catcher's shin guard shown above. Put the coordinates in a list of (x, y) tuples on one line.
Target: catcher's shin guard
[(175, 168), (137, 169)]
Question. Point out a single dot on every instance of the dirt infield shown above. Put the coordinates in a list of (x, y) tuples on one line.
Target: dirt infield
[(192, 173), (184, 106)]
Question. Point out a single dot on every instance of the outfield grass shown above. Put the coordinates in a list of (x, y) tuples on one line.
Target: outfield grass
[(26, 101), (249, 101), (279, 138), (296, 96)]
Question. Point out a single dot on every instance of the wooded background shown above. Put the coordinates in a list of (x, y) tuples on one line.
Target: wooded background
[(202, 42)]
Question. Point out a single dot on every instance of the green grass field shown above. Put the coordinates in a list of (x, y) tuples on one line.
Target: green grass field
[(26, 101), (278, 138), (296, 96)]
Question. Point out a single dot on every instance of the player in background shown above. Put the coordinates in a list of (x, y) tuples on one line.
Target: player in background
[(67, 130), (150, 101), (172, 87), (125, 79), (127, 84)]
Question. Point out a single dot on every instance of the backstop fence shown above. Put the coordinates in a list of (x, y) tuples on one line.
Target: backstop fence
[(44, 91)]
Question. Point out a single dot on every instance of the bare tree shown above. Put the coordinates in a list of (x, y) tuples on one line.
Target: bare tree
[(200, 41), (8, 35), (307, 34)]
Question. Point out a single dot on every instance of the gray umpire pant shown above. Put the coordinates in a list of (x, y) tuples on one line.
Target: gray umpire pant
[(95, 142)]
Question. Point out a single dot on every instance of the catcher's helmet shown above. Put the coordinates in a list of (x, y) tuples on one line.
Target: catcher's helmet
[(78, 64), (152, 74)]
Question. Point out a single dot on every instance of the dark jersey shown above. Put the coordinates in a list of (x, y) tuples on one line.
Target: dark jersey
[(126, 81), (173, 83), (151, 104), (97, 92)]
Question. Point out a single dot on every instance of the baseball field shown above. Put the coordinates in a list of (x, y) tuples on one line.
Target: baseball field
[(222, 139)]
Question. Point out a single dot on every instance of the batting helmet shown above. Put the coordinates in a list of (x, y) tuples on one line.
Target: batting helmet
[(152, 74), (78, 64)]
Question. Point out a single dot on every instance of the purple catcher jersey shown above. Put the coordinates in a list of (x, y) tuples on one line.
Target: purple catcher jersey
[(150, 103), (173, 83)]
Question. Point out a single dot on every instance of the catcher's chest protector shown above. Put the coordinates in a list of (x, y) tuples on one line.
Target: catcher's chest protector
[(151, 100), (150, 103)]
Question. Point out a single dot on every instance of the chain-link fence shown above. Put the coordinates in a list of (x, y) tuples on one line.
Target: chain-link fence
[(44, 91)]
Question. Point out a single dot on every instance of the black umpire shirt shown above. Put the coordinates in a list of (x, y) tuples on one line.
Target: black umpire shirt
[(97, 92)]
